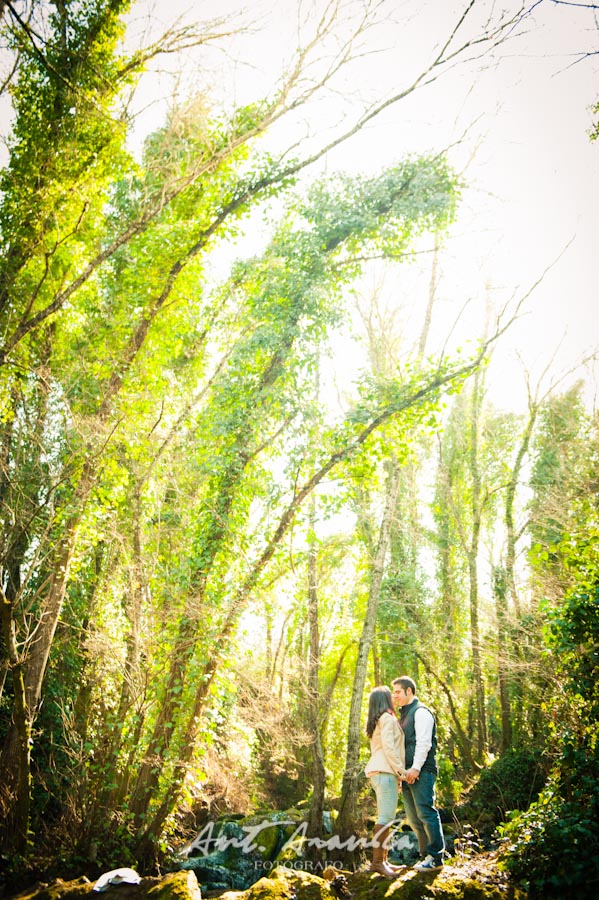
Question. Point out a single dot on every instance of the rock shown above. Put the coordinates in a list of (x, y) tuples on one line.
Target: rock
[(404, 848), (79, 887), (235, 854), (175, 886), (286, 884), (477, 879), (453, 882)]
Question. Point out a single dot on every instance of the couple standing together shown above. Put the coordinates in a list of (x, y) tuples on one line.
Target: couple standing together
[(403, 750)]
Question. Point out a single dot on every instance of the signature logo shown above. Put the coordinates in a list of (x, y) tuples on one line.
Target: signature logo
[(208, 842)]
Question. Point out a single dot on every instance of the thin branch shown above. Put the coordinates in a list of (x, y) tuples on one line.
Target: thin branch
[(174, 41), (572, 3)]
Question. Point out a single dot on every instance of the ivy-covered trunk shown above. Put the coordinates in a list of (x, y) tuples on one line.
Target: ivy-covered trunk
[(346, 821)]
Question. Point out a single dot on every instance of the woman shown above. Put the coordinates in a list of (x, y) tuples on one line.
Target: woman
[(385, 768)]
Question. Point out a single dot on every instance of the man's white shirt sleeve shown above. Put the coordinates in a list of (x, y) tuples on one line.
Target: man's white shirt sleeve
[(423, 723)]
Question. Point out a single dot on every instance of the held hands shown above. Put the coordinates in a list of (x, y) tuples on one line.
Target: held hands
[(411, 776)]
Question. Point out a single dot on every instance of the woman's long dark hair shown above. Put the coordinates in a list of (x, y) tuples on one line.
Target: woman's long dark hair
[(380, 701)]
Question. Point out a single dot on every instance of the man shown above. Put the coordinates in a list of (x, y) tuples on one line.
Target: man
[(420, 731)]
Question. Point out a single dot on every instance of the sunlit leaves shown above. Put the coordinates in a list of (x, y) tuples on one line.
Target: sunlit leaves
[(388, 210)]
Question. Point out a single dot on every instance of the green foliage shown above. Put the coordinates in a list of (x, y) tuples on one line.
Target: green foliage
[(512, 782), (447, 787), (555, 845), (594, 132), (560, 457), (389, 210), (66, 145), (574, 634)]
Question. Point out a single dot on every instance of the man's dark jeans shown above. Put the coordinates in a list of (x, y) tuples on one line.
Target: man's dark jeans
[(422, 815)]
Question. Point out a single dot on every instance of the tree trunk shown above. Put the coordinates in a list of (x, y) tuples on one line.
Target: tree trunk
[(315, 819), (432, 296), (510, 496), (33, 661), (512, 640), (499, 590), (15, 793), (346, 820), (477, 668), (119, 779), (476, 511), (460, 734)]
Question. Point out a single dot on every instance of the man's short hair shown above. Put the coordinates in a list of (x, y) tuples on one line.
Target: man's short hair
[(405, 682)]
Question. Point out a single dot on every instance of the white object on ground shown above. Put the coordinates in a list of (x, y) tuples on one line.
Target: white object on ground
[(117, 876)]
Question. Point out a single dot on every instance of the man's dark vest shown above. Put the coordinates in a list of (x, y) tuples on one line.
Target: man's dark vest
[(409, 729)]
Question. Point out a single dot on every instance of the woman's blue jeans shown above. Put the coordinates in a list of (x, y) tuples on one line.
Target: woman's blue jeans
[(422, 815), (385, 788)]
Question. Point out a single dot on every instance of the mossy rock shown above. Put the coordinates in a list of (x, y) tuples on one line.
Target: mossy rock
[(233, 855), (286, 884), (451, 883), (269, 834), (290, 852), (477, 879), (294, 815), (79, 887), (175, 886)]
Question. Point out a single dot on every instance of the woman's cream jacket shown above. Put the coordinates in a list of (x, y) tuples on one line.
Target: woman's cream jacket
[(387, 747)]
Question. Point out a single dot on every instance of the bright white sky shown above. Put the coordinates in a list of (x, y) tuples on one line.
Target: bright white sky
[(532, 200)]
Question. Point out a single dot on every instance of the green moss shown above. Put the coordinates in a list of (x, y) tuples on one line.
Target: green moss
[(463, 882), (268, 837), (303, 884), (264, 889), (80, 887), (176, 886), (478, 878), (450, 884)]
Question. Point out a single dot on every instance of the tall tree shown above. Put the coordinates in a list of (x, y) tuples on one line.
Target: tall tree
[(347, 807)]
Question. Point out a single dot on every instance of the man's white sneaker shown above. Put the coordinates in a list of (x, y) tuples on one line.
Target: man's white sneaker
[(430, 864)]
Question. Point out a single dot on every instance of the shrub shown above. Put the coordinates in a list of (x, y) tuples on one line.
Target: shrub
[(514, 781), (511, 783), (554, 846)]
